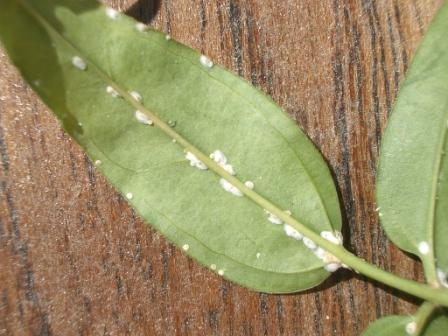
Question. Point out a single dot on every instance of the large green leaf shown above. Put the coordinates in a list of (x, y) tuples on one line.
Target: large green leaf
[(213, 109), (412, 187), (396, 325)]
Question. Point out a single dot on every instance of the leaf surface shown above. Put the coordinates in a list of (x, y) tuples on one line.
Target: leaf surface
[(412, 189), (395, 325), (212, 109)]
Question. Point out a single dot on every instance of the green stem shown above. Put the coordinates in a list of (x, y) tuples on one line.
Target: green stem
[(435, 295), (422, 316)]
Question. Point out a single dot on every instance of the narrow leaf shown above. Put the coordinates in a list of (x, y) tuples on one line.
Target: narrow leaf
[(412, 186), (94, 67)]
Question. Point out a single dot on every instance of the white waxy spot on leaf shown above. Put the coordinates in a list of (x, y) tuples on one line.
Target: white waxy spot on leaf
[(205, 61), (185, 247), (194, 161), (167, 37), (172, 123), (141, 27), (258, 255), (227, 186), (79, 63), (288, 212), (332, 267), (219, 157), (112, 13), (291, 232), (221, 272), (143, 118), (129, 196), (137, 96), (173, 141), (423, 247), (249, 184), (229, 168), (98, 162), (320, 253), (411, 328), (378, 209), (213, 266), (110, 90), (335, 238), (442, 277), (309, 243), (273, 218)]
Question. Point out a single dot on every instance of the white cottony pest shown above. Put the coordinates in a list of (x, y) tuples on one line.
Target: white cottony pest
[(229, 168), (143, 118), (141, 27), (273, 218), (218, 157), (206, 62), (309, 243), (249, 184), (332, 267), (79, 63), (112, 13), (227, 186), (411, 328), (291, 232), (334, 237), (423, 247), (442, 277), (137, 96), (110, 90), (195, 162)]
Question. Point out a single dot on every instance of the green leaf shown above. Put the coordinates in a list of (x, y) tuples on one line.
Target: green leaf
[(412, 189), (213, 109), (393, 325), (396, 325)]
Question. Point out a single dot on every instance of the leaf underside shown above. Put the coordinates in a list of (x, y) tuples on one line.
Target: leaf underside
[(213, 109), (412, 186)]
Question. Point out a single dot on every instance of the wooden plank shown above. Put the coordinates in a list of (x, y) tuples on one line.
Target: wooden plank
[(74, 258)]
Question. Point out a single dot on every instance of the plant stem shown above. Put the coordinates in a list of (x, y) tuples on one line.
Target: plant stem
[(435, 295), (422, 316)]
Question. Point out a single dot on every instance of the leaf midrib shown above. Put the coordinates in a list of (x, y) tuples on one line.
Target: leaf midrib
[(429, 265)]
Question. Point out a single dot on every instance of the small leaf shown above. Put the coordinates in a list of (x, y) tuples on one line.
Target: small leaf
[(396, 325), (412, 189), (95, 67)]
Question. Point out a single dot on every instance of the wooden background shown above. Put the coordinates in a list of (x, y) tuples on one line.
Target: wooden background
[(75, 260)]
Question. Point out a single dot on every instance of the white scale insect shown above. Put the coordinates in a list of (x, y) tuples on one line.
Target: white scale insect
[(195, 162), (423, 247), (143, 118), (227, 186), (110, 90), (112, 13), (79, 63), (141, 27), (206, 62), (137, 96)]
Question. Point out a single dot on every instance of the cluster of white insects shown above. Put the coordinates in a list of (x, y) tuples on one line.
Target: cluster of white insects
[(331, 262)]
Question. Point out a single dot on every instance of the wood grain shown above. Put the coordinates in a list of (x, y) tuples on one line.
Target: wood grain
[(75, 259)]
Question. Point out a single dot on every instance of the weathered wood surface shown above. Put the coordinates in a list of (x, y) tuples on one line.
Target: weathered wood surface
[(75, 260)]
